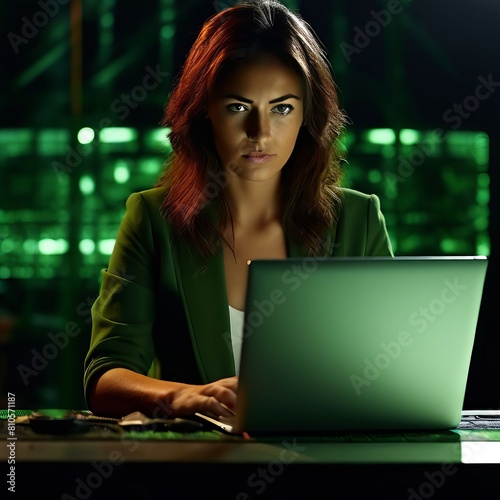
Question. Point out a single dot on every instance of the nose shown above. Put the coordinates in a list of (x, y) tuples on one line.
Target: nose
[(258, 125)]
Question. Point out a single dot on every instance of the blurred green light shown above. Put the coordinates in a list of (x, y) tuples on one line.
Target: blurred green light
[(408, 136), (52, 142), (87, 185), (7, 245), (48, 246), (381, 136), (168, 31), (30, 246), (121, 174), (87, 246), (107, 20), (483, 246), (85, 135), (150, 166), (4, 272), (483, 180), (449, 245), (158, 141), (106, 246), (481, 148), (374, 176), (483, 196), (117, 134)]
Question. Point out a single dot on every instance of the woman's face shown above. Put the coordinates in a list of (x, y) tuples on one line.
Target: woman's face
[(256, 114)]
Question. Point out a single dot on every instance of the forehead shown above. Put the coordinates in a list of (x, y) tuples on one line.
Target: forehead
[(264, 72)]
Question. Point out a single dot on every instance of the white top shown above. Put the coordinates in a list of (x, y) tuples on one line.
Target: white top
[(236, 319)]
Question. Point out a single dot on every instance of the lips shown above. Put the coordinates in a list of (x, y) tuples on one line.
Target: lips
[(258, 157)]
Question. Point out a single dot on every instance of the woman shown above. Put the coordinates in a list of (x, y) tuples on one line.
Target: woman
[(254, 173)]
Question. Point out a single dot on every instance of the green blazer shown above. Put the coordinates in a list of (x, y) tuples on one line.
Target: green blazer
[(162, 306)]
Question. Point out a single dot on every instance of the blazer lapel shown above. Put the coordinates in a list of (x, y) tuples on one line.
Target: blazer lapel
[(202, 288)]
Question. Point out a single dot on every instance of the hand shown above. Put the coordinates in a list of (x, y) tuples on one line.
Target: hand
[(215, 399)]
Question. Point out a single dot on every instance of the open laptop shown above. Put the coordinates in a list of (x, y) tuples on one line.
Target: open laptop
[(357, 344)]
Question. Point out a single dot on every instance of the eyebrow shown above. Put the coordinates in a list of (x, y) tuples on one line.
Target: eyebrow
[(272, 101)]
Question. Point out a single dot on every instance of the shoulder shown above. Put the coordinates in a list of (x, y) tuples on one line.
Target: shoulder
[(153, 197), (353, 202), (349, 195)]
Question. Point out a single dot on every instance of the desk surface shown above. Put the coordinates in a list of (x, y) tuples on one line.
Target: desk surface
[(401, 463)]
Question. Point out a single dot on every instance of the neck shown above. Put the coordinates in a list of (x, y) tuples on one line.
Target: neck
[(254, 204)]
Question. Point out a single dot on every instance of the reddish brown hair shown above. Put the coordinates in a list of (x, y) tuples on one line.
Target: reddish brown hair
[(195, 203)]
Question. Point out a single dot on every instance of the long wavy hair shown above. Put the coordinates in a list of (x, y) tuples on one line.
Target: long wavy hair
[(194, 203)]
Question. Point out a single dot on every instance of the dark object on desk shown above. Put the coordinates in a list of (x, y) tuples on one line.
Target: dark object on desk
[(64, 421), (138, 421), (56, 421)]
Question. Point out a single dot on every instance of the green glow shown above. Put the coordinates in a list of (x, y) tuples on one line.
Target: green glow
[(481, 148), (16, 142), (483, 180), (48, 246), (157, 140), (449, 245), (168, 14), (381, 136), (150, 166), (52, 142), (8, 245), (465, 144), (86, 135), (481, 223), (374, 176), (47, 272), (408, 136), (107, 20), (87, 246), (117, 134), (106, 246), (483, 196), (168, 31), (121, 173), (483, 244), (87, 185), (30, 246), (4, 272)]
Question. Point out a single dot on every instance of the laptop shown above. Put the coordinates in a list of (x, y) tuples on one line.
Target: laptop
[(350, 344)]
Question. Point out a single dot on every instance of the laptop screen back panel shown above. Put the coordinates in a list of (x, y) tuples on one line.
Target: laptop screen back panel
[(343, 344)]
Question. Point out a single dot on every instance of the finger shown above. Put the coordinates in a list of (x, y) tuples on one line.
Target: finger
[(217, 409)]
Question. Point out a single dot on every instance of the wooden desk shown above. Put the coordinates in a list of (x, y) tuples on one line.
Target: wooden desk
[(464, 464)]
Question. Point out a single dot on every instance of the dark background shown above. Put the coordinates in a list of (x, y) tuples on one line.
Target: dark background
[(62, 71)]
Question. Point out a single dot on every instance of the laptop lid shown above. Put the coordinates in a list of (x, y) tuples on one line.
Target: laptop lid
[(357, 343)]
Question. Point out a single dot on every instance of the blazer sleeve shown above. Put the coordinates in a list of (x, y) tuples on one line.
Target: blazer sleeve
[(123, 313)]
